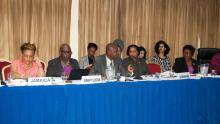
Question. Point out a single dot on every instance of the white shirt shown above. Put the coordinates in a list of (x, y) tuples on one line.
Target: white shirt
[(109, 61)]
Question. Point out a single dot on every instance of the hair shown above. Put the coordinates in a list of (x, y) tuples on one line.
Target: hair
[(190, 48), (156, 48), (119, 43), (134, 46), (109, 46), (28, 46), (90, 45), (141, 48)]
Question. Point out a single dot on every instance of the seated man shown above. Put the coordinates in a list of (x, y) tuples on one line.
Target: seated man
[(108, 59), (215, 63), (63, 64)]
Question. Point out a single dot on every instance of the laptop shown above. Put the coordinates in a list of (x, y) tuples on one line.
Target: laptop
[(76, 74)]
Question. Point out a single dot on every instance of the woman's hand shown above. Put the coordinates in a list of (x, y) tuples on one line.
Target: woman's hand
[(89, 67), (41, 72), (37, 60)]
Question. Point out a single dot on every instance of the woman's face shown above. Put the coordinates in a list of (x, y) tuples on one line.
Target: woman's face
[(161, 48), (141, 55), (91, 51), (187, 54), (133, 52), (28, 56)]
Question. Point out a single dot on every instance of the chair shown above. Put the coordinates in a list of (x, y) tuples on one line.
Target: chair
[(3, 63), (205, 55), (153, 68), (43, 64), (6, 72)]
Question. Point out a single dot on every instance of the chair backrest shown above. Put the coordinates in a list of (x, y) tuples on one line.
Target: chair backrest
[(43, 64), (3, 63), (153, 68), (205, 54), (5, 72)]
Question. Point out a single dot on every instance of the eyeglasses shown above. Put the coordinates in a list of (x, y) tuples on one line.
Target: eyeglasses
[(65, 51)]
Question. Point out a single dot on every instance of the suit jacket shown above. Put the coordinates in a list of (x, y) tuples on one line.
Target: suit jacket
[(100, 65), (54, 68), (83, 61), (181, 66), (140, 67)]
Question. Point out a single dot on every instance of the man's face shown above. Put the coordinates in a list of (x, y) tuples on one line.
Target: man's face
[(65, 53), (112, 53)]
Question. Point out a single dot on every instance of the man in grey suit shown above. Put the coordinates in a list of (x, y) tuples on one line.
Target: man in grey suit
[(63, 64), (108, 59)]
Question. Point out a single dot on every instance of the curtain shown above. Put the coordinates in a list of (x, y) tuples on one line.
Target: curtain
[(144, 22), (43, 22)]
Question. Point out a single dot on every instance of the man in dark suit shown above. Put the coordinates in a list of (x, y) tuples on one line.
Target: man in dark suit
[(109, 59), (63, 64)]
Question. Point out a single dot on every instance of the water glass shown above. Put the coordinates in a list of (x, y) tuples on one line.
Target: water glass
[(64, 76), (204, 68)]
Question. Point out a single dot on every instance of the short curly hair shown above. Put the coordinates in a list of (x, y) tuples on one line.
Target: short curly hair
[(92, 45), (190, 48), (156, 48), (28, 46), (134, 46)]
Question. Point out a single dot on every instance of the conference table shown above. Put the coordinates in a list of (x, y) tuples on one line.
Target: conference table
[(187, 101)]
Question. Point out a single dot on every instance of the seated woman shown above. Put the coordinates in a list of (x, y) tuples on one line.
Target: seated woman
[(186, 63), (215, 63), (132, 65), (143, 53), (162, 49), (28, 65), (86, 62)]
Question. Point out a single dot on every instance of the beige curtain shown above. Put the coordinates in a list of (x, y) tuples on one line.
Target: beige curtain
[(43, 22), (144, 22)]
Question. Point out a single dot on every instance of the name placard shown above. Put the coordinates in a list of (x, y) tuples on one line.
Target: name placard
[(183, 75), (91, 79), (44, 80)]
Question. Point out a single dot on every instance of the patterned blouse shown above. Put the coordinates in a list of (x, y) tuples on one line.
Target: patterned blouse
[(164, 62), (20, 68)]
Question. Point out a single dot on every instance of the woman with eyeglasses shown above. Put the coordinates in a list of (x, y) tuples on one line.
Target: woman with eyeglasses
[(133, 65), (186, 63)]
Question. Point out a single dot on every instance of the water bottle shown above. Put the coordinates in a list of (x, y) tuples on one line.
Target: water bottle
[(110, 73)]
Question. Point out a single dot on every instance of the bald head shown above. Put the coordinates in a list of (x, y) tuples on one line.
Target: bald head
[(111, 51), (65, 52)]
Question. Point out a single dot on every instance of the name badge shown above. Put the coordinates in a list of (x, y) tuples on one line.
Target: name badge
[(91, 79)]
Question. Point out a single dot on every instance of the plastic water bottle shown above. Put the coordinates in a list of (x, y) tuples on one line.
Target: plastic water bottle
[(110, 73)]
